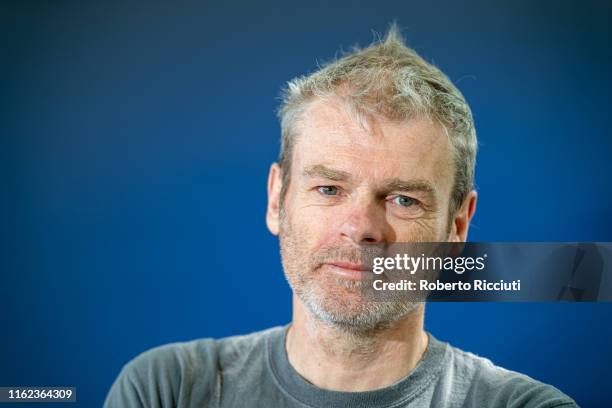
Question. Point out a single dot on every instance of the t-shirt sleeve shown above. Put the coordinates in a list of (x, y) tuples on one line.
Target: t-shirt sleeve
[(126, 391), (522, 391), (497, 387), (148, 380), (159, 377)]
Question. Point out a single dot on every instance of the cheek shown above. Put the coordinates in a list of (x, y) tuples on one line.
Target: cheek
[(312, 222), (316, 228), (299, 230), (431, 228), (421, 231)]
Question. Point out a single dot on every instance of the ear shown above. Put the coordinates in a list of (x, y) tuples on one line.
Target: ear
[(275, 184), (462, 218)]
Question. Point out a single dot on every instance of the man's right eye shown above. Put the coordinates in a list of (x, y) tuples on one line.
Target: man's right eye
[(328, 190)]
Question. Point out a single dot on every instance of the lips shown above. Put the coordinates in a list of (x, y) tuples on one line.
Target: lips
[(350, 266), (350, 270)]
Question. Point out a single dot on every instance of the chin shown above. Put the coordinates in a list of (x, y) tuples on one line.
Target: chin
[(356, 315)]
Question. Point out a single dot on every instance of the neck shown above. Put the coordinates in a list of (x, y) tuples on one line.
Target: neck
[(334, 359)]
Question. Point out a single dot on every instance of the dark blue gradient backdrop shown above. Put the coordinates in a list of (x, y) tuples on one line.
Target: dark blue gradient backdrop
[(136, 140)]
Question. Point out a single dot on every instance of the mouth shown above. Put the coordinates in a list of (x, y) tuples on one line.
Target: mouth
[(349, 270)]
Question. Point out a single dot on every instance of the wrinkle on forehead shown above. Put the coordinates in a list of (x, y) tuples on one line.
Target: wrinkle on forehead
[(335, 117), (381, 147)]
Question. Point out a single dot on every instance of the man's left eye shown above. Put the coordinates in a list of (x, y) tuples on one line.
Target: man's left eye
[(404, 201)]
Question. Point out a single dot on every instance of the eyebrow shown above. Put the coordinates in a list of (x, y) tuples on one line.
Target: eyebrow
[(325, 172), (410, 185), (394, 184)]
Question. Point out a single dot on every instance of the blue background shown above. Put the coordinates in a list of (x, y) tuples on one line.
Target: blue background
[(136, 140)]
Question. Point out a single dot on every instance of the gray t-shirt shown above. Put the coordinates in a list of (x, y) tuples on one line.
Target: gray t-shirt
[(254, 371)]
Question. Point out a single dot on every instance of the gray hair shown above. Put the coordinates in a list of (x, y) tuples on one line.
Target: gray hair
[(391, 80)]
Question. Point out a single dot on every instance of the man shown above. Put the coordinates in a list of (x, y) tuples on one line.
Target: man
[(377, 147)]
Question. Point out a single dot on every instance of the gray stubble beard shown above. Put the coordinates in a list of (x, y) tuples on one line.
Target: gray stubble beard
[(329, 305)]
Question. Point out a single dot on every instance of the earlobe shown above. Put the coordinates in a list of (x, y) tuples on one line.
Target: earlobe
[(274, 189)]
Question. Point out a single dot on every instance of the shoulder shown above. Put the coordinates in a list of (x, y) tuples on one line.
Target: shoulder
[(486, 384), (157, 376), (172, 360), (162, 375)]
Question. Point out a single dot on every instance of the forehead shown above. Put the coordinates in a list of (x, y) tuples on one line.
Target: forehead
[(330, 134)]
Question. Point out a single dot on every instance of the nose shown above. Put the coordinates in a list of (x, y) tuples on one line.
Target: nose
[(364, 224)]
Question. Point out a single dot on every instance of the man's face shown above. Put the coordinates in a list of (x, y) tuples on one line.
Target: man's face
[(353, 187)]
